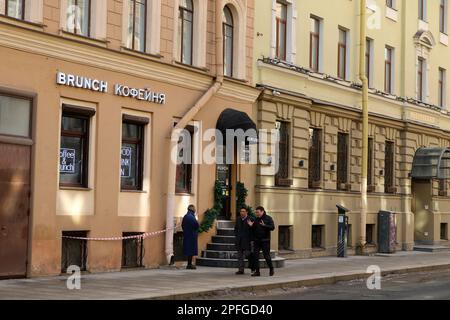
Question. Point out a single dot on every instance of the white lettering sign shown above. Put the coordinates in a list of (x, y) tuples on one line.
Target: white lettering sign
[(67, 160), (125, 162)]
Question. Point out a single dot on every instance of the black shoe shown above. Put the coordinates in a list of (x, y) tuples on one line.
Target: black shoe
[(256, 274), (191, 267), (272, 272), (239, 273)]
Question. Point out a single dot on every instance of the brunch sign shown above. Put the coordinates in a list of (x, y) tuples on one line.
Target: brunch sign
[(96, 85)]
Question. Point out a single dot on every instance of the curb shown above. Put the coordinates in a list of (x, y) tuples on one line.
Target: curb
[(311, 282)]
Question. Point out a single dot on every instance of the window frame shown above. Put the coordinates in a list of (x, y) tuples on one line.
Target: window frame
[(369, 61), (315, 36), (75, 30), (140, 146), (190, 171), (390, 4), (388, 66), (226, 25), (281, 22), (144, 45), (23, 2), (342, 48), (423, 10), (420, 79), (181, 21), (370, 165), (317, 170), (343, 168), (443, 13), (442, 87), (31, 113), (86, 115), (282, 179), (389, 168)]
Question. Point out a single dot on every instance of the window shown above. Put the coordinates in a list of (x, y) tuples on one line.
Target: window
[(423, 10), (442, 87), (132, 250), (370, 172), (15, 9), (390, 4), (284, 238), (282, 176), (314, 52), (369, 61), (137, 24), (342, 54), (228, 41), (420, 79), (15, 116), (342, 161), (444, 231), (74, 251), (281, 21), (443, 187), (389, 156), (315, 158), (184, 167), (443, 16), (388, 74), (74, 151), (132, 152), (349, 236), (79, 17), (370, 232), (185, 30), (317, 237)]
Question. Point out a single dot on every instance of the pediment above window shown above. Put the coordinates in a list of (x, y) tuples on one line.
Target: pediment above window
[(425, 38)]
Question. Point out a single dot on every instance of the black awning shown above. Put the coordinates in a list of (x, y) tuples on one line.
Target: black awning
[(231, 119), (431, 163)]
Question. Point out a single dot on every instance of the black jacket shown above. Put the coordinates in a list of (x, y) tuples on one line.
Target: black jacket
[(262, 232), (243, 231)]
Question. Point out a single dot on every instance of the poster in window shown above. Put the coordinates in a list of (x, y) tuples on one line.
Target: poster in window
[(67, 160), (125, 163)]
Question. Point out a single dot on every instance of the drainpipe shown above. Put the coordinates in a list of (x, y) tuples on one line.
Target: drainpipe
[(175, 132), (365, 123)]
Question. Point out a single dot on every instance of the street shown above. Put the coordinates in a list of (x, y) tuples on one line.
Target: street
[(414, 286)]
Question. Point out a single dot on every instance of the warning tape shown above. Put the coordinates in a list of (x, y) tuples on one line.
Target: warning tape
[(141, 236)]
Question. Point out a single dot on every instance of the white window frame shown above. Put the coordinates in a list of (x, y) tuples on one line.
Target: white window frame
[(444, 88), (34, 10), (371, 77), (291, 22)]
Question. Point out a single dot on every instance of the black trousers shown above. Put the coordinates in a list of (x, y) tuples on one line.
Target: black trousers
[(265, 247)]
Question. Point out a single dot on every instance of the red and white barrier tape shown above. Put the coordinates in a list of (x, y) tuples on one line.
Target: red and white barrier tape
[(143, 236)]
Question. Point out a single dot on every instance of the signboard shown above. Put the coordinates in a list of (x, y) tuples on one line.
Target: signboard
[(125, 162), (67, 160)]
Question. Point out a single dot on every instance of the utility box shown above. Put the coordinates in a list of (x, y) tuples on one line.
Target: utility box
[(387, 232), (342, 231)]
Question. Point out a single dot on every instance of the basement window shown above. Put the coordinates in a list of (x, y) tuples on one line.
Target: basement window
[(444, 231), (370, 232), (74, 251), (132, 250), (284, 238), (318, 233)]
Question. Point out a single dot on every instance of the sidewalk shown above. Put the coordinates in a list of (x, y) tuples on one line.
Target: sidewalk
[(168, 283)]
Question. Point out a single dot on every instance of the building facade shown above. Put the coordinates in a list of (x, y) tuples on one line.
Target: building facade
[(307, 64), (90, 92)]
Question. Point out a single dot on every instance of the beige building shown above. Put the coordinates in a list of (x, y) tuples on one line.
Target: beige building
[(90, 92), (306, 62)]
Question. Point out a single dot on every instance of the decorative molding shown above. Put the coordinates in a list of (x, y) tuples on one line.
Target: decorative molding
[(285, 111), (317, 119), (345, 125)]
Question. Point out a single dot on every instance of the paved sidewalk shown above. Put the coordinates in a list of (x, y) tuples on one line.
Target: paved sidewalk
[(169, 283)]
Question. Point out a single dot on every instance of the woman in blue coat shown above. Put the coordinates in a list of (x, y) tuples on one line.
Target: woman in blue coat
[(190, 236)]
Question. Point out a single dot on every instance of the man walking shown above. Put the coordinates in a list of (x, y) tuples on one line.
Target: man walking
[(261, 228), (190, 236), (242, 232)]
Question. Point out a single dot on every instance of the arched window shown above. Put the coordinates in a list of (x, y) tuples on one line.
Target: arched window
[(228, 39), (137, 24), (185, 30)]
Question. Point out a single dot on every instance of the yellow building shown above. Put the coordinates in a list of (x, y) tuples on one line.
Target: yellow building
[(306, 62), (90, 92)]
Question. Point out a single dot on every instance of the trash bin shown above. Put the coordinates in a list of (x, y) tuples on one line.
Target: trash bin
[(387, 232), (342, 231)]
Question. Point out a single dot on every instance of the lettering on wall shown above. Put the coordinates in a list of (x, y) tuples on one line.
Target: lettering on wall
[(120, 90), (67, 160)]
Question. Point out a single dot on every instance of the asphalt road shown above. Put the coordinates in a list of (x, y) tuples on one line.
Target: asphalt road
[(415, 286)]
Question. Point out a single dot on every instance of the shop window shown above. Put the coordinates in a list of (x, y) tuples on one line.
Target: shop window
[(15, 9), (132, 152), (444, 231), (318, 234), (389, 178), (15, 116), (185, 159), (315, 158), (342, 162), (79, 17), (137, 23), (282, 176), (284, 238), (74, 151), (178, 246), (74, 251), (132, 250), (370, 233)]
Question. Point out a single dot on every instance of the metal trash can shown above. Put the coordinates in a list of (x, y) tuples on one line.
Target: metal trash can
[(387, 232), (342, 231)]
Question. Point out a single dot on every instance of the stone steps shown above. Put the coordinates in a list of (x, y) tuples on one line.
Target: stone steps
[(221, 252), (431, 248)]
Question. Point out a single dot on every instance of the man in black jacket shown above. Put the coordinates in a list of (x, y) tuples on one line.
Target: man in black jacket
[(242, 231), (261, 228)]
